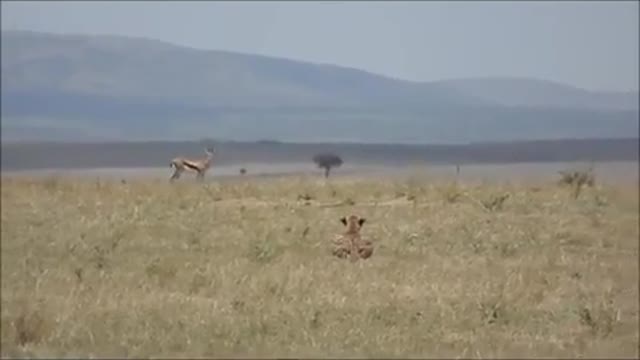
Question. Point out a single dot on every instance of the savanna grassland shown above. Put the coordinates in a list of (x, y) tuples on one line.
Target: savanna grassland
[(243, 268)]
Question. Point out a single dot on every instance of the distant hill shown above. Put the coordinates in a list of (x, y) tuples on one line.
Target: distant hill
[(76, 87), (510, 91)]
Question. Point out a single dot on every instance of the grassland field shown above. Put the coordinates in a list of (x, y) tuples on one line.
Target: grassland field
[(144, 268)]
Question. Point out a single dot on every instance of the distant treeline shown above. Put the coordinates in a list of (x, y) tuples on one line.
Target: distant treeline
[(23, 156)]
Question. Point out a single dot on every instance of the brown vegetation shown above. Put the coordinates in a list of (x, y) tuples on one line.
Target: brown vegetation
[(576, 179), (149, 269)]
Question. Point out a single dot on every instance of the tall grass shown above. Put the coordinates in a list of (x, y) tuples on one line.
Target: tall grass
[(144, 269)]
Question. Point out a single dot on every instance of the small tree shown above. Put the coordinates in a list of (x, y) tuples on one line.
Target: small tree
[(326, 162)]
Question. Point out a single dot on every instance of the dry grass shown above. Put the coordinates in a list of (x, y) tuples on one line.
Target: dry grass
[(144, 268)]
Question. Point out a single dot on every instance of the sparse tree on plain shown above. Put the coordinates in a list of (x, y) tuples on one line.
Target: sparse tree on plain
[(327, 161)]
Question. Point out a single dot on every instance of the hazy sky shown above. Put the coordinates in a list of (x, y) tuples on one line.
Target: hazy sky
[(587, 44)]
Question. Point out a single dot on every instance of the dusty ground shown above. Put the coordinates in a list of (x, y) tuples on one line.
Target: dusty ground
[(613, 172), (242, 268)]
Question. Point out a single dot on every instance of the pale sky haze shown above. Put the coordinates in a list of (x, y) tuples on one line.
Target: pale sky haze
[(591, 44)]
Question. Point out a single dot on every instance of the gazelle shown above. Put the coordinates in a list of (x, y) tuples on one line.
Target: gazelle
[(200, 166)]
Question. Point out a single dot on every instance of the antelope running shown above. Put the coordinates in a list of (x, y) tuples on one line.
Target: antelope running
[(200, 166)]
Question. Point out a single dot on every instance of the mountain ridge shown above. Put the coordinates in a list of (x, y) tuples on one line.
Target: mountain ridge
[(112, 86), (169, 44)]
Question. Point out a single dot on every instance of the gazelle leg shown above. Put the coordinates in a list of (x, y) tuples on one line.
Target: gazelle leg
[(176, 175)]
